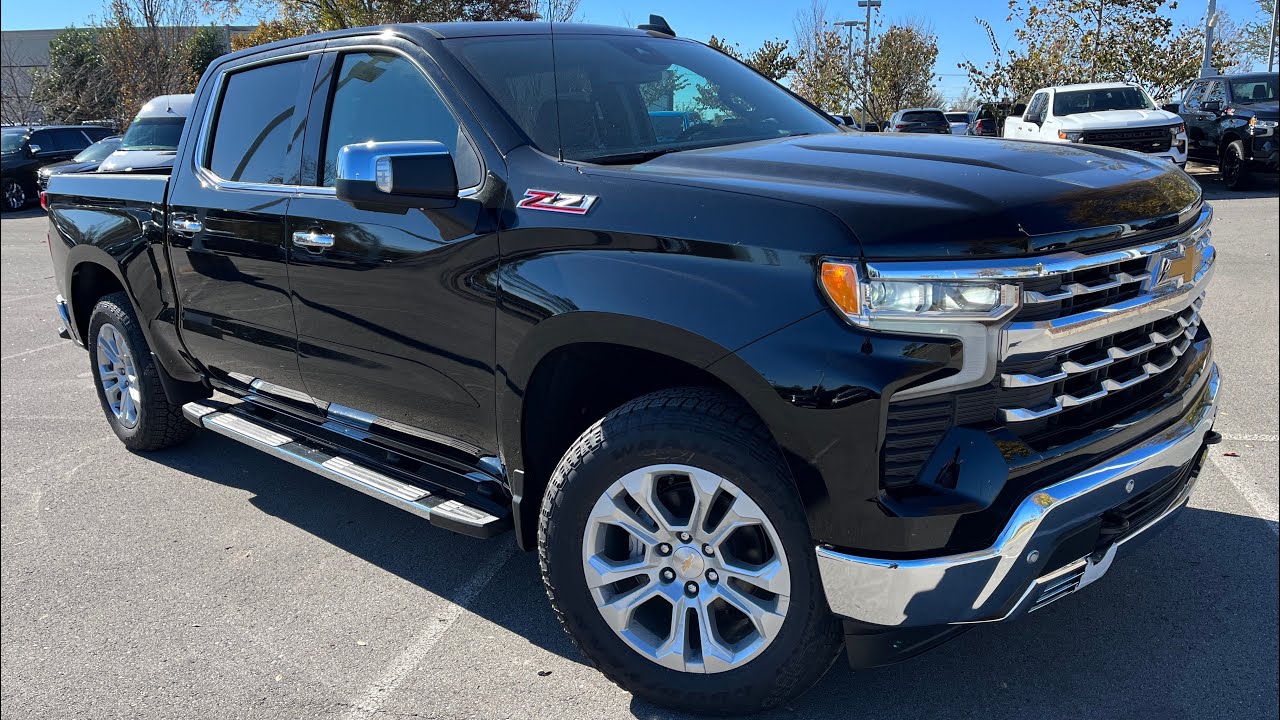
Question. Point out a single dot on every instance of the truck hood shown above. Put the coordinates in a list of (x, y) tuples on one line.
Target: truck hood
[(1108, 119), (1260, 110), (923, 196), (137, 160)]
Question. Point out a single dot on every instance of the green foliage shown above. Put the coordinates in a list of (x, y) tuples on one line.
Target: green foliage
[(773, 58), (75, 87), (901, 65), (1255, 38), (203, 47), (1060, 42)]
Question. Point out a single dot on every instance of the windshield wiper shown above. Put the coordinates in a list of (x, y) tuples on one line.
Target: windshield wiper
[(630, 158)]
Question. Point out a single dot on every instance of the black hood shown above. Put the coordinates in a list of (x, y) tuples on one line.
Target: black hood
[(68, 166), (1260, 110), (924, 196)]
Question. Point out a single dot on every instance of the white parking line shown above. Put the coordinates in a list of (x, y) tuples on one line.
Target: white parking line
[(1249, 438), (1236, 473), (370, 703), (34, 350)]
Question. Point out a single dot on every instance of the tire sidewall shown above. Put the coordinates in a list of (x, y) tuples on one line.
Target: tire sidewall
[(108, 310), (634, 446), (1235, 151)]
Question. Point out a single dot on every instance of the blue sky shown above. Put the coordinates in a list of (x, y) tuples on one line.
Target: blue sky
[(747, 22)]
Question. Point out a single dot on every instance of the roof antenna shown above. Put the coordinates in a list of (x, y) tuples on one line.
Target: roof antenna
[(657, 24)]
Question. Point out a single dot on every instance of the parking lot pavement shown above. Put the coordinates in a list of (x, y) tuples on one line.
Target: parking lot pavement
[(208, 581)]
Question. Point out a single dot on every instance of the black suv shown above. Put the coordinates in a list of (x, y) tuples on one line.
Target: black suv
[(27, 149), (1231, 120)]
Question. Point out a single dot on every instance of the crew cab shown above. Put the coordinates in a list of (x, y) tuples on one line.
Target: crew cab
[(1231, 121), (1118, 115), (765, 389)]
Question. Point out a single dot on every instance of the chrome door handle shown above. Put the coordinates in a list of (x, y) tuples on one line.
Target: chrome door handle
[(185, 225), (312, 239)]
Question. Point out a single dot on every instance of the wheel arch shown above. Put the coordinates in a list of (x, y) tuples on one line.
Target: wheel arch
[(576, 369)]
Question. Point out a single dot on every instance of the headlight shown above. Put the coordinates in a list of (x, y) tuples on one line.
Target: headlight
[(1177, 130), (1071, 135), (866, 300)]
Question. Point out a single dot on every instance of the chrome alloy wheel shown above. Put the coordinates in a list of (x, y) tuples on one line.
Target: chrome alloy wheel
[(686, 568), (118, 375), (14, 196)]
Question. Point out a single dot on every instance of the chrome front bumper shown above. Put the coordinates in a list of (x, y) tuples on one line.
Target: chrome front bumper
[(1006, 580)]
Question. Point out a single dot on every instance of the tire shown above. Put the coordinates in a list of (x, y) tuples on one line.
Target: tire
[(13, 196), (138, 411), (715, 434), (1233, 167)]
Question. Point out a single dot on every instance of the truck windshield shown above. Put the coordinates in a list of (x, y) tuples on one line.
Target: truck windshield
[(98, 151), (628, 98), (12, 140), (1254, 88), (162, 133), (1072, 102)]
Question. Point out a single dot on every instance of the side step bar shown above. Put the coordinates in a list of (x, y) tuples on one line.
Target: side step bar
[(442, 511)]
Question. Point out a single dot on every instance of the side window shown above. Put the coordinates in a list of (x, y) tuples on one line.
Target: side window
[(1217, 91), (258, 124), (1195, 95), (70, 139), (382, 96), (1035, 107), (42, 139)]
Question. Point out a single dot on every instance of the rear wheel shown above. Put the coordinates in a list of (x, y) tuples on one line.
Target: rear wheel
[(1233, 167), (128, 381), (15, 198), (676, 554)]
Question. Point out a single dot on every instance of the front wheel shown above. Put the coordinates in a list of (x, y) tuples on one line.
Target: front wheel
[(675, 552), (1233, 166), (128, 381), (15, 198)]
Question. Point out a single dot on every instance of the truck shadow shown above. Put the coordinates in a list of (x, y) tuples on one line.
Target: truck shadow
[(1185, 626), (1263, 185)]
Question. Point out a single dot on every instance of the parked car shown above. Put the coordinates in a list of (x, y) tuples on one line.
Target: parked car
[(870, 126), (752, 395), (918, 120), (1118, 115), (151, 141), (988, 119), (87, 161), (960, 121), (27, 149), (1231, 121)]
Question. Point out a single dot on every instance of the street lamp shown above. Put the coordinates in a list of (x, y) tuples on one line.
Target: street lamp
[(866, 56), (850, 24)]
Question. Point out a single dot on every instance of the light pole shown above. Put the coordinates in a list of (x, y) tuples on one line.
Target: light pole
[(866, 54), (1271, 43), (850, 24), (1210, 20)]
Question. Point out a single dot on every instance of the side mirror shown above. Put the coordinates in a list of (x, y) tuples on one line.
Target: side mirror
[(33, 150), (397, 176), (1170, 107), (1212, 106)]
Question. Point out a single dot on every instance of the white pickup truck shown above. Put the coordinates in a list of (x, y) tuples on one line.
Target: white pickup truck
[(1118, 115)]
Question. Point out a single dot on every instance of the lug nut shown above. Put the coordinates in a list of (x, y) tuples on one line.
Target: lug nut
[(691, 588), (685, 537), (664, 549), (712, 576), (668, 574), (708, 550)]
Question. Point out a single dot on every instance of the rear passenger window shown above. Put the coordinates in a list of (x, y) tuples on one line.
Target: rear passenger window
[(258, 124), (382, 96), (70, 139)]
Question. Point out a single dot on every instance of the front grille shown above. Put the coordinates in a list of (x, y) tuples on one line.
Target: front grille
[(1060, 377), (1148, 140)]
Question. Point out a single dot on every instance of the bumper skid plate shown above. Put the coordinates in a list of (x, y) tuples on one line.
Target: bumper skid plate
[(1009, 578)]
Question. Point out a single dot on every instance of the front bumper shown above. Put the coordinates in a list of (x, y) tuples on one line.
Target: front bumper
[(1015, 575)]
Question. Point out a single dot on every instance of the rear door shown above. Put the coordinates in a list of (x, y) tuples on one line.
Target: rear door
[(396, 316), (228, 208)]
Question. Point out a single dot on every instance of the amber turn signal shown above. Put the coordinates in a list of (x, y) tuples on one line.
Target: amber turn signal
[(840, 280)]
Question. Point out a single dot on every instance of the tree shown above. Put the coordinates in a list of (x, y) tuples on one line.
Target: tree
[(76, 86), (823, 58), (19, 107), (1059, 42), (901, 62), (203, 47), (143, 43), (773, 58), (556, 10), (1255, 37)]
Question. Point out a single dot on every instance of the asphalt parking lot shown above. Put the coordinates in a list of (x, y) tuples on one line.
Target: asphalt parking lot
[(209, 581)]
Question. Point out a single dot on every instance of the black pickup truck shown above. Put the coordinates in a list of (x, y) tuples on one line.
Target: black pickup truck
[(754, 392), (1231, 121)]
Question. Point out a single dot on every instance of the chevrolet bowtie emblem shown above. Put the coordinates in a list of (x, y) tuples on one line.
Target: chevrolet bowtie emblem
[(1179, 267)]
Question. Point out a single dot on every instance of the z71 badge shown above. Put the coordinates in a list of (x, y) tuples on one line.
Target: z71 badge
[(552, 201)]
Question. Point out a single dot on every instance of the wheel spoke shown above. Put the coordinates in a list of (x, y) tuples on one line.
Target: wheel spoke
[(618, 611), (716, 656), (618, 514), (673, 652), (609, 571), (772, 576), (640, 486), (762, 614)]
